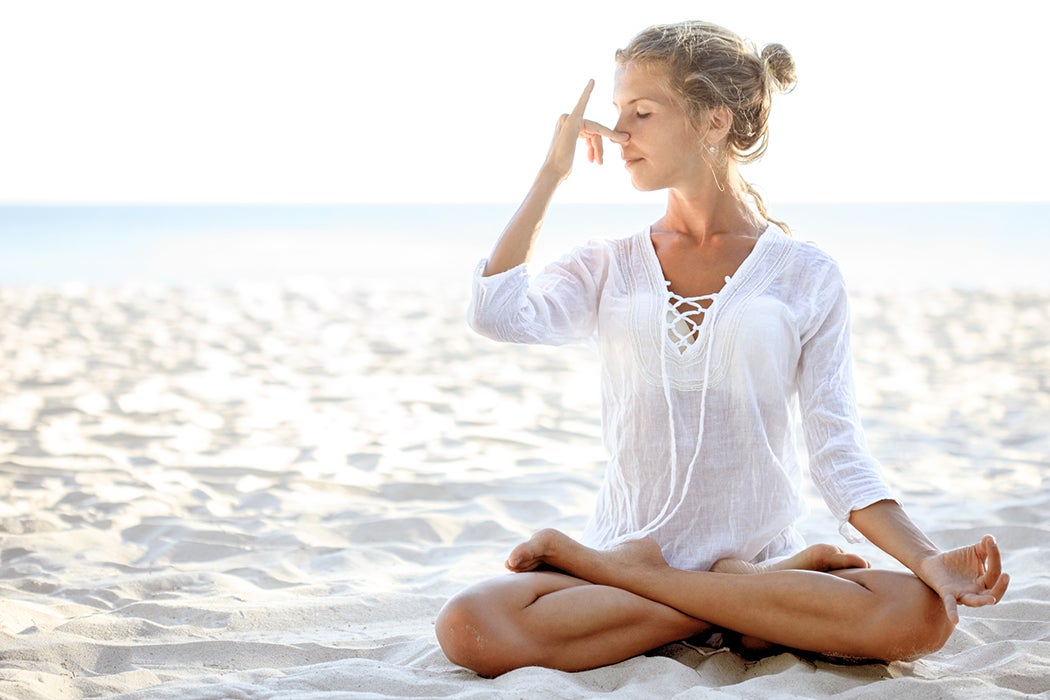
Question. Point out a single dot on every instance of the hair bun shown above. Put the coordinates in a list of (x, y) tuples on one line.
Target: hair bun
[(781, 66)]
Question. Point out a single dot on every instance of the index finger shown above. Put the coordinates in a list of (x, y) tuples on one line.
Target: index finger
[(581, 105), (596, 128)]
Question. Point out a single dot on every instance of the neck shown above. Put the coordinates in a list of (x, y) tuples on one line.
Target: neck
[(709, 212)]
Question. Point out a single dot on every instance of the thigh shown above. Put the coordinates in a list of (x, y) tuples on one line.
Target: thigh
[(516, 591), (901, 592), (555, 620), (895, 617)]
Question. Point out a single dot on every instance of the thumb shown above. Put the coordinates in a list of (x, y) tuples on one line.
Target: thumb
[(951, 608)]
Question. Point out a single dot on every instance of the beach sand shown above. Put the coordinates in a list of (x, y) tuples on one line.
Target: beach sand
[(269, 491)]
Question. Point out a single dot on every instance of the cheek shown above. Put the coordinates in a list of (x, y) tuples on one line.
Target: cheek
[(673, 140)]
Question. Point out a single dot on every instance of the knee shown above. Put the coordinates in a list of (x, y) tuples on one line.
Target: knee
[(912, 627), (456, 631), (464, 632), (933, 628)]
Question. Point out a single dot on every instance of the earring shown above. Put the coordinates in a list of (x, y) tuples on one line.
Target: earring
[(713, 150)]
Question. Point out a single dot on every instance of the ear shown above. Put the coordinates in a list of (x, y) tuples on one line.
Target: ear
[(719, 122)]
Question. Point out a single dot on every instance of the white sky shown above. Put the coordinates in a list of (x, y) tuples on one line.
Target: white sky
[(345, 102)]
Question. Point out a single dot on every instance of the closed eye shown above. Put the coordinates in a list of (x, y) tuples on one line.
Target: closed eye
[(642, 115)]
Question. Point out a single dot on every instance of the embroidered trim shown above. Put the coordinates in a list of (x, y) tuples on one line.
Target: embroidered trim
[(649, 301)]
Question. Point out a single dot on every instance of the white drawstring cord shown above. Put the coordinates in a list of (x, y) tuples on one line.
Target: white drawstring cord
[(663, 517)]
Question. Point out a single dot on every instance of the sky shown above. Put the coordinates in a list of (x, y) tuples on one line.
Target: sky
[(301, 101)]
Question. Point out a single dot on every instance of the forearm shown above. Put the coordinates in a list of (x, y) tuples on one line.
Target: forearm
[(889, 528), (515, 245)]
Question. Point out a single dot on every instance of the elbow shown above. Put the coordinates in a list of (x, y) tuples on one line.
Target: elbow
[(484, 325), (503, 324), (480, 322)]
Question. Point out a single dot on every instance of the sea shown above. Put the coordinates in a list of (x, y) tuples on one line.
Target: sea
[(887, 247)]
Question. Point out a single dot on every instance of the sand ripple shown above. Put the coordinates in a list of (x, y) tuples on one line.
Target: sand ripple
[(269, 491)]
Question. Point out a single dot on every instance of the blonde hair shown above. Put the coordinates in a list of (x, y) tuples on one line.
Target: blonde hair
[(709, 66)]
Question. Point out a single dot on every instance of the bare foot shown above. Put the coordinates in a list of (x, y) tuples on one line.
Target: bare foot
[(536, 551), (558, 550), (817, 557)]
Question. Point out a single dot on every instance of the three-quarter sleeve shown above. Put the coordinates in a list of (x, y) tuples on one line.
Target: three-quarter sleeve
[(845, 473), (557, 306)]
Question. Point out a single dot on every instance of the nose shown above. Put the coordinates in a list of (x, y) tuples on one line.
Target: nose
[(619, 127)]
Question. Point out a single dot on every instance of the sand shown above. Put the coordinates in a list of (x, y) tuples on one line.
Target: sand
[(269, 491)]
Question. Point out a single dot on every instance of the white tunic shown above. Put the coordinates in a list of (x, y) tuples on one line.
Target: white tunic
[(702, 431)]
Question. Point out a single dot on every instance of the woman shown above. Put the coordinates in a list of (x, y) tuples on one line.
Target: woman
[(716, 330)]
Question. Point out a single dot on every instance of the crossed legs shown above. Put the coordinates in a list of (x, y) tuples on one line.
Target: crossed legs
[(601, 607), (555, 620)]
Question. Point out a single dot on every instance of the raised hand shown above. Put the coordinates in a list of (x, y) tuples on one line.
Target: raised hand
[(971, 576), (573, 126), (515, 245)]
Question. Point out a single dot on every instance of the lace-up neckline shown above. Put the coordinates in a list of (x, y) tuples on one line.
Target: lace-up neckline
[(685, 316)]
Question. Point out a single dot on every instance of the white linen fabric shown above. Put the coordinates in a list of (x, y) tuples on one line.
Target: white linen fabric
[(702, 427)]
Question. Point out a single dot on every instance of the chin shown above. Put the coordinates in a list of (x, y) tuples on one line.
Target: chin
[(642, 183), (643, 186)]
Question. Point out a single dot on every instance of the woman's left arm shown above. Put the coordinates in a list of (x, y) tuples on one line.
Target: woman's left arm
[(969, 575), (848, 477)]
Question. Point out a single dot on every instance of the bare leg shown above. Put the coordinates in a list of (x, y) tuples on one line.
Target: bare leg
[(817, 557), (555, 620), (858, 613), (560, 621)]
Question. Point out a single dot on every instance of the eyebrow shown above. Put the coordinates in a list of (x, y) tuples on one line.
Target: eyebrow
[(638, 99)]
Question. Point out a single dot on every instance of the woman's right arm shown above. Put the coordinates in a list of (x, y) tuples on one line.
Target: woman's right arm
[(515, 245)]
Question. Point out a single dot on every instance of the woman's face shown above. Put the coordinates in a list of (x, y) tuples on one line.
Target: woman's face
[(664, 150)]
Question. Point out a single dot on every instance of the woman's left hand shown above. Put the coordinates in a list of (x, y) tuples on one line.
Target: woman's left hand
[(971, 576)]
